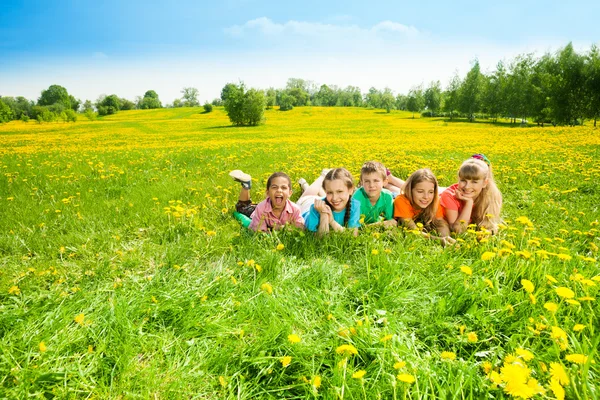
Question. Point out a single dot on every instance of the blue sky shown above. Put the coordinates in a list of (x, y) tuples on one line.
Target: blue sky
[(128, 47)]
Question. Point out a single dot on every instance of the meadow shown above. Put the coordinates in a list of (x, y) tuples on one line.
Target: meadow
[(124, 275)]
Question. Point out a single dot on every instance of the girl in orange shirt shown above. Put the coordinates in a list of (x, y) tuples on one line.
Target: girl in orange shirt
[(419, 202)]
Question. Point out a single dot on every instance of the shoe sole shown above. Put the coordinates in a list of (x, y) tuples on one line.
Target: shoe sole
[(240, 176)]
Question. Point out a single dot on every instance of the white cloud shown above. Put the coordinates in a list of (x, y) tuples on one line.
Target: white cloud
[(267, 27)]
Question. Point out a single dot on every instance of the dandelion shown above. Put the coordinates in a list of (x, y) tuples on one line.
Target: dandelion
[(466, 270), (448, 355), (551, 279), (374, 252), (280, 247), (399, 364), (532, 299), (552, 307), (222, 381), (346, 349), (316, 382), (79, 318), (14, 290), (577, 358), (386, 338), (564, 257), (488, 255), (285, 361), (558, 372), (558, 390), (578, 327), (43, 347), (496, 378), (293, 338), (472, 337), (267, 288), (527, 285), (406, 378), (359, 374), (564, 292), (489, 283), (573, 302), (526, 355)]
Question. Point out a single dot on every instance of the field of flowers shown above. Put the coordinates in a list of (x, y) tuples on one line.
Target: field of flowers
[(124, 275)]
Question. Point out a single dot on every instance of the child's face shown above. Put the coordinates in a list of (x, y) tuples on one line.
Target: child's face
[(337, 194), (279, 192), (471, 188), (373, 183), (422, 194)]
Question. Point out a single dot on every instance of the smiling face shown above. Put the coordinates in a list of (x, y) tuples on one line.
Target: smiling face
[(373, 183), (337, 193), (472, 187), (423, 194), (278, 192)]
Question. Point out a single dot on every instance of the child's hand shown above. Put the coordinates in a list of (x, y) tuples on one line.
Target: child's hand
[(321, 206), (390, 223), (460, 195), (447, 241)]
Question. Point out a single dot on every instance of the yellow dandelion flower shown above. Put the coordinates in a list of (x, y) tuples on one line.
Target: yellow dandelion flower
[(222, 381), (558, 372), (573, 302), (558, 390), (14, 290), (359, 374), (346, 349), (558, 333), (488, 255), (267, 288), (564, 257), (578, 327), (43, 347), (79, 318), (564, 292), (466, 270), (293, 338), (280, 247), (524, 354), (532, 299), (285, 361), (495, 378), (577, 358), (386, 338), (448, 355), (472, 337), (316, 382), (552, 307), (374, 252), (399, 364), (489, 283), (406, 378), (527, 285)]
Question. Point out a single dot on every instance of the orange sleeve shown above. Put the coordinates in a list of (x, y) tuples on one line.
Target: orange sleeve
[(402, 208), (440, 212)]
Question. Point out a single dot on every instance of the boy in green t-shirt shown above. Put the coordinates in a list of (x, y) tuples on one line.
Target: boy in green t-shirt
[(376, 204)]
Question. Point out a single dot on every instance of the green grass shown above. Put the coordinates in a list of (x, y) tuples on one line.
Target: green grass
[(172, 304)]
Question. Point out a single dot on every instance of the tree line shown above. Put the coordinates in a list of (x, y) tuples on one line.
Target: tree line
[(562, 88)]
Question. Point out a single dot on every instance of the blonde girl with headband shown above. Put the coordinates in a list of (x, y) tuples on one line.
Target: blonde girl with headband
[(475, 199), (335, 211), (419, 204)]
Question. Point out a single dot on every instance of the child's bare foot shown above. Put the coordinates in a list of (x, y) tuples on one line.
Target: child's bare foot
[(303, 184), (243, 178)]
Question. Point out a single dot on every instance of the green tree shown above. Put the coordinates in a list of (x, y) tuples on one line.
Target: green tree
[(373, 98), (271, 97), (190, 97), (208, 107), (387, 99), (55, 94), (286, 102), (415, 100), (150, 101), (452, 95), (492, 99), (245, 107), (87, 105), (107, 105), (6, 113), (125, 105), (592, 83), (433, 97), (75, 103), (470, 92), (401, 100), (227, 90)]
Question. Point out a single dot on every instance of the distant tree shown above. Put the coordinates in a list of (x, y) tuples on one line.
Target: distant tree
[(126, 105), (401, 101), (373, 98), (494, 86), (150, 101), (415, 100), (55, 94), (208, 107), (245, 107), (75, 103), (178, 103), (592, 83), (19, 106), (227, 89), (452, 94), (271, 97), (217, 102), (6, 113), (286, 102), (107, 105), (433, 97), (87, 105), (470, 92), (387, 99), (69, 115), (190, 97)]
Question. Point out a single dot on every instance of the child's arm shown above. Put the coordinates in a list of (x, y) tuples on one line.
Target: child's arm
[(454, 218), (258, 221), (443, 230), (325, 217)]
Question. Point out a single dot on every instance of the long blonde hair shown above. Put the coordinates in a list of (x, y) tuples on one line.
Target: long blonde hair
[(345, 176), (487, 206), (426, 216)]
